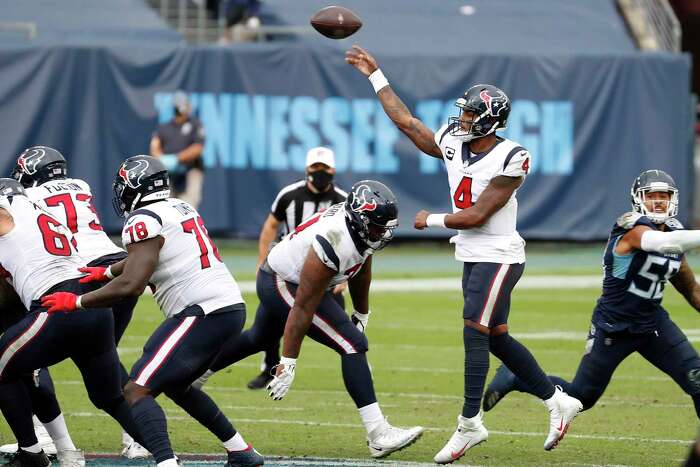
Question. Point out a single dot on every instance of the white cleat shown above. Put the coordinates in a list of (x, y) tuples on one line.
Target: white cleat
[(45, 442), (386, 439), (71, 458), (131, 449), (469, 433), (562, 410)]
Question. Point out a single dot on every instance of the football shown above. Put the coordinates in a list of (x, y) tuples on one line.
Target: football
[(336, 22)]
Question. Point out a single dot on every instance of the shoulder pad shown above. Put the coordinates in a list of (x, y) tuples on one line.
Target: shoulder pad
[(628, 219), (674, 223)]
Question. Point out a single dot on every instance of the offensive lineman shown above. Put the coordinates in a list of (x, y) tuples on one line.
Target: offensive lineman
[(484, 172), (645, 249), (43, 172), (38, 256), (169, 248), (295, 287)]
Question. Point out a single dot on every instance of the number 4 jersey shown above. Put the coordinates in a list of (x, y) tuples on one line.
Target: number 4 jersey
[(633, 285), (497, 241), (189, 271)]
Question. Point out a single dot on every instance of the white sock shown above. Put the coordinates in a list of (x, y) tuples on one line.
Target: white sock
[(237, 443), (126, 439), (34, 449), (59, 433), (371, 416), (36, 421), (168, 463)]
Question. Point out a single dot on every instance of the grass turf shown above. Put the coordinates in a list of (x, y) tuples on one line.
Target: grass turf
[(417, 356)]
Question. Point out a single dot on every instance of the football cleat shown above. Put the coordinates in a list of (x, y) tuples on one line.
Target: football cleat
[(469, 433), (23, 458), (262, 380), (45, 442), (70, 458), (386, 439), (133, 450), (562, 410), (248, 457), (501, 384)]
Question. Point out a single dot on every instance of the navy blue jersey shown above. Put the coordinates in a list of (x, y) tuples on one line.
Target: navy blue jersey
[(633, 285)]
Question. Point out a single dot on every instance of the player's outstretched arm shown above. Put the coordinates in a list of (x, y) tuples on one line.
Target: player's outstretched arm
[(686, 285), (315, 277), (396, 110), (267, 236), (359, 287), (138, 268), (493, 198)]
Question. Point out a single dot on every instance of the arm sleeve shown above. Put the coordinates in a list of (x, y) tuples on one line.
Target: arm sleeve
[(279, 206), (675, 242), (325, 252), (517, 163), (199, 135), (141, 225)]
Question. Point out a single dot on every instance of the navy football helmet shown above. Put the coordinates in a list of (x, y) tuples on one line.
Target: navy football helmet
[(372, 212), (651, 181), (491, 107), (140, 180), (39, 164)]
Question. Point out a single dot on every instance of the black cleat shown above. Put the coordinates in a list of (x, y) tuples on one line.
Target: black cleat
[(248, 457), (500, 385), (261, 380), (23, 458)]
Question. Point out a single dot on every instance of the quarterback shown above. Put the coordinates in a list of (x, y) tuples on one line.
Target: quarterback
[(484, 172)]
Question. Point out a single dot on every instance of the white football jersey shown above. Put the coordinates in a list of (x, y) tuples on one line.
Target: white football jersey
[(190, 270), (69, 201), (38, 252), (330, 237), (496, 241)]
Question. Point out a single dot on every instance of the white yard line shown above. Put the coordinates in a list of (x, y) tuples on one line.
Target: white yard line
[(455, 284), (433, 429)]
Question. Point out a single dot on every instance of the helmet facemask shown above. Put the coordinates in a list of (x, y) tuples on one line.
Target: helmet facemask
[(640, 199), (481, 125), (377, 236)]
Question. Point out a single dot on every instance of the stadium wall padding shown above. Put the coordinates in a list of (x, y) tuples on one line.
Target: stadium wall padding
[(591, 122)]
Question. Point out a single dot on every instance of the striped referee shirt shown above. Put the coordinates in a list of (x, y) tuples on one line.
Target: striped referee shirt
[(296, 202)]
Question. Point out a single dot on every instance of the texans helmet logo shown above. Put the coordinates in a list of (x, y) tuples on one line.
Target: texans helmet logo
[(494, 104), (132, 172), (29, 160), (359, 200)]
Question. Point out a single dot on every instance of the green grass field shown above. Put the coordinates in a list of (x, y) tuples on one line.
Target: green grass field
[(417, 358)]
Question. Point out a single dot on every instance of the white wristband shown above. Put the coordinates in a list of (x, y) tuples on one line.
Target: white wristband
[(78, 302), (378, 80), (288, 362), (436, 220), (108, 272)]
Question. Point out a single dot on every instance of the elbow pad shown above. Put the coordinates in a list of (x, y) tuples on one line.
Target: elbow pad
[(675, 242)]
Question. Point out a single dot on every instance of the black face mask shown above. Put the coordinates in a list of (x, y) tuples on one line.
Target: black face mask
[(320, 179)]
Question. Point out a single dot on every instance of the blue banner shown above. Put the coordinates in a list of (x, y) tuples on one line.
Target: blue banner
[(592, 123)]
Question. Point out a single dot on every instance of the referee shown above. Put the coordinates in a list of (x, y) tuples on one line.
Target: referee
[(293, 204)]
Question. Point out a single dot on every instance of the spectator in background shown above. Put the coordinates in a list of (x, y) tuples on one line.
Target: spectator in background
[(241, 20), (179, 144), (293, 204)]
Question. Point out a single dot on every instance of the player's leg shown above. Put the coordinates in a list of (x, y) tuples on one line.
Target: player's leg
[(51, 430), (603, 353), (332, 327), (35, 341), (669, 350), (267, 329)]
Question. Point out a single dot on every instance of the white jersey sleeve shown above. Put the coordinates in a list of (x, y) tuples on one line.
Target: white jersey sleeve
[(325, 253), (141, 225), (517, 165)]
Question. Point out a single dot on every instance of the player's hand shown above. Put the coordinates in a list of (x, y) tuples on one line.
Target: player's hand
[(60, 302), (94, 274), (340, 288), (421, 221), (280, 384), (360, 320), (361, 59)]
